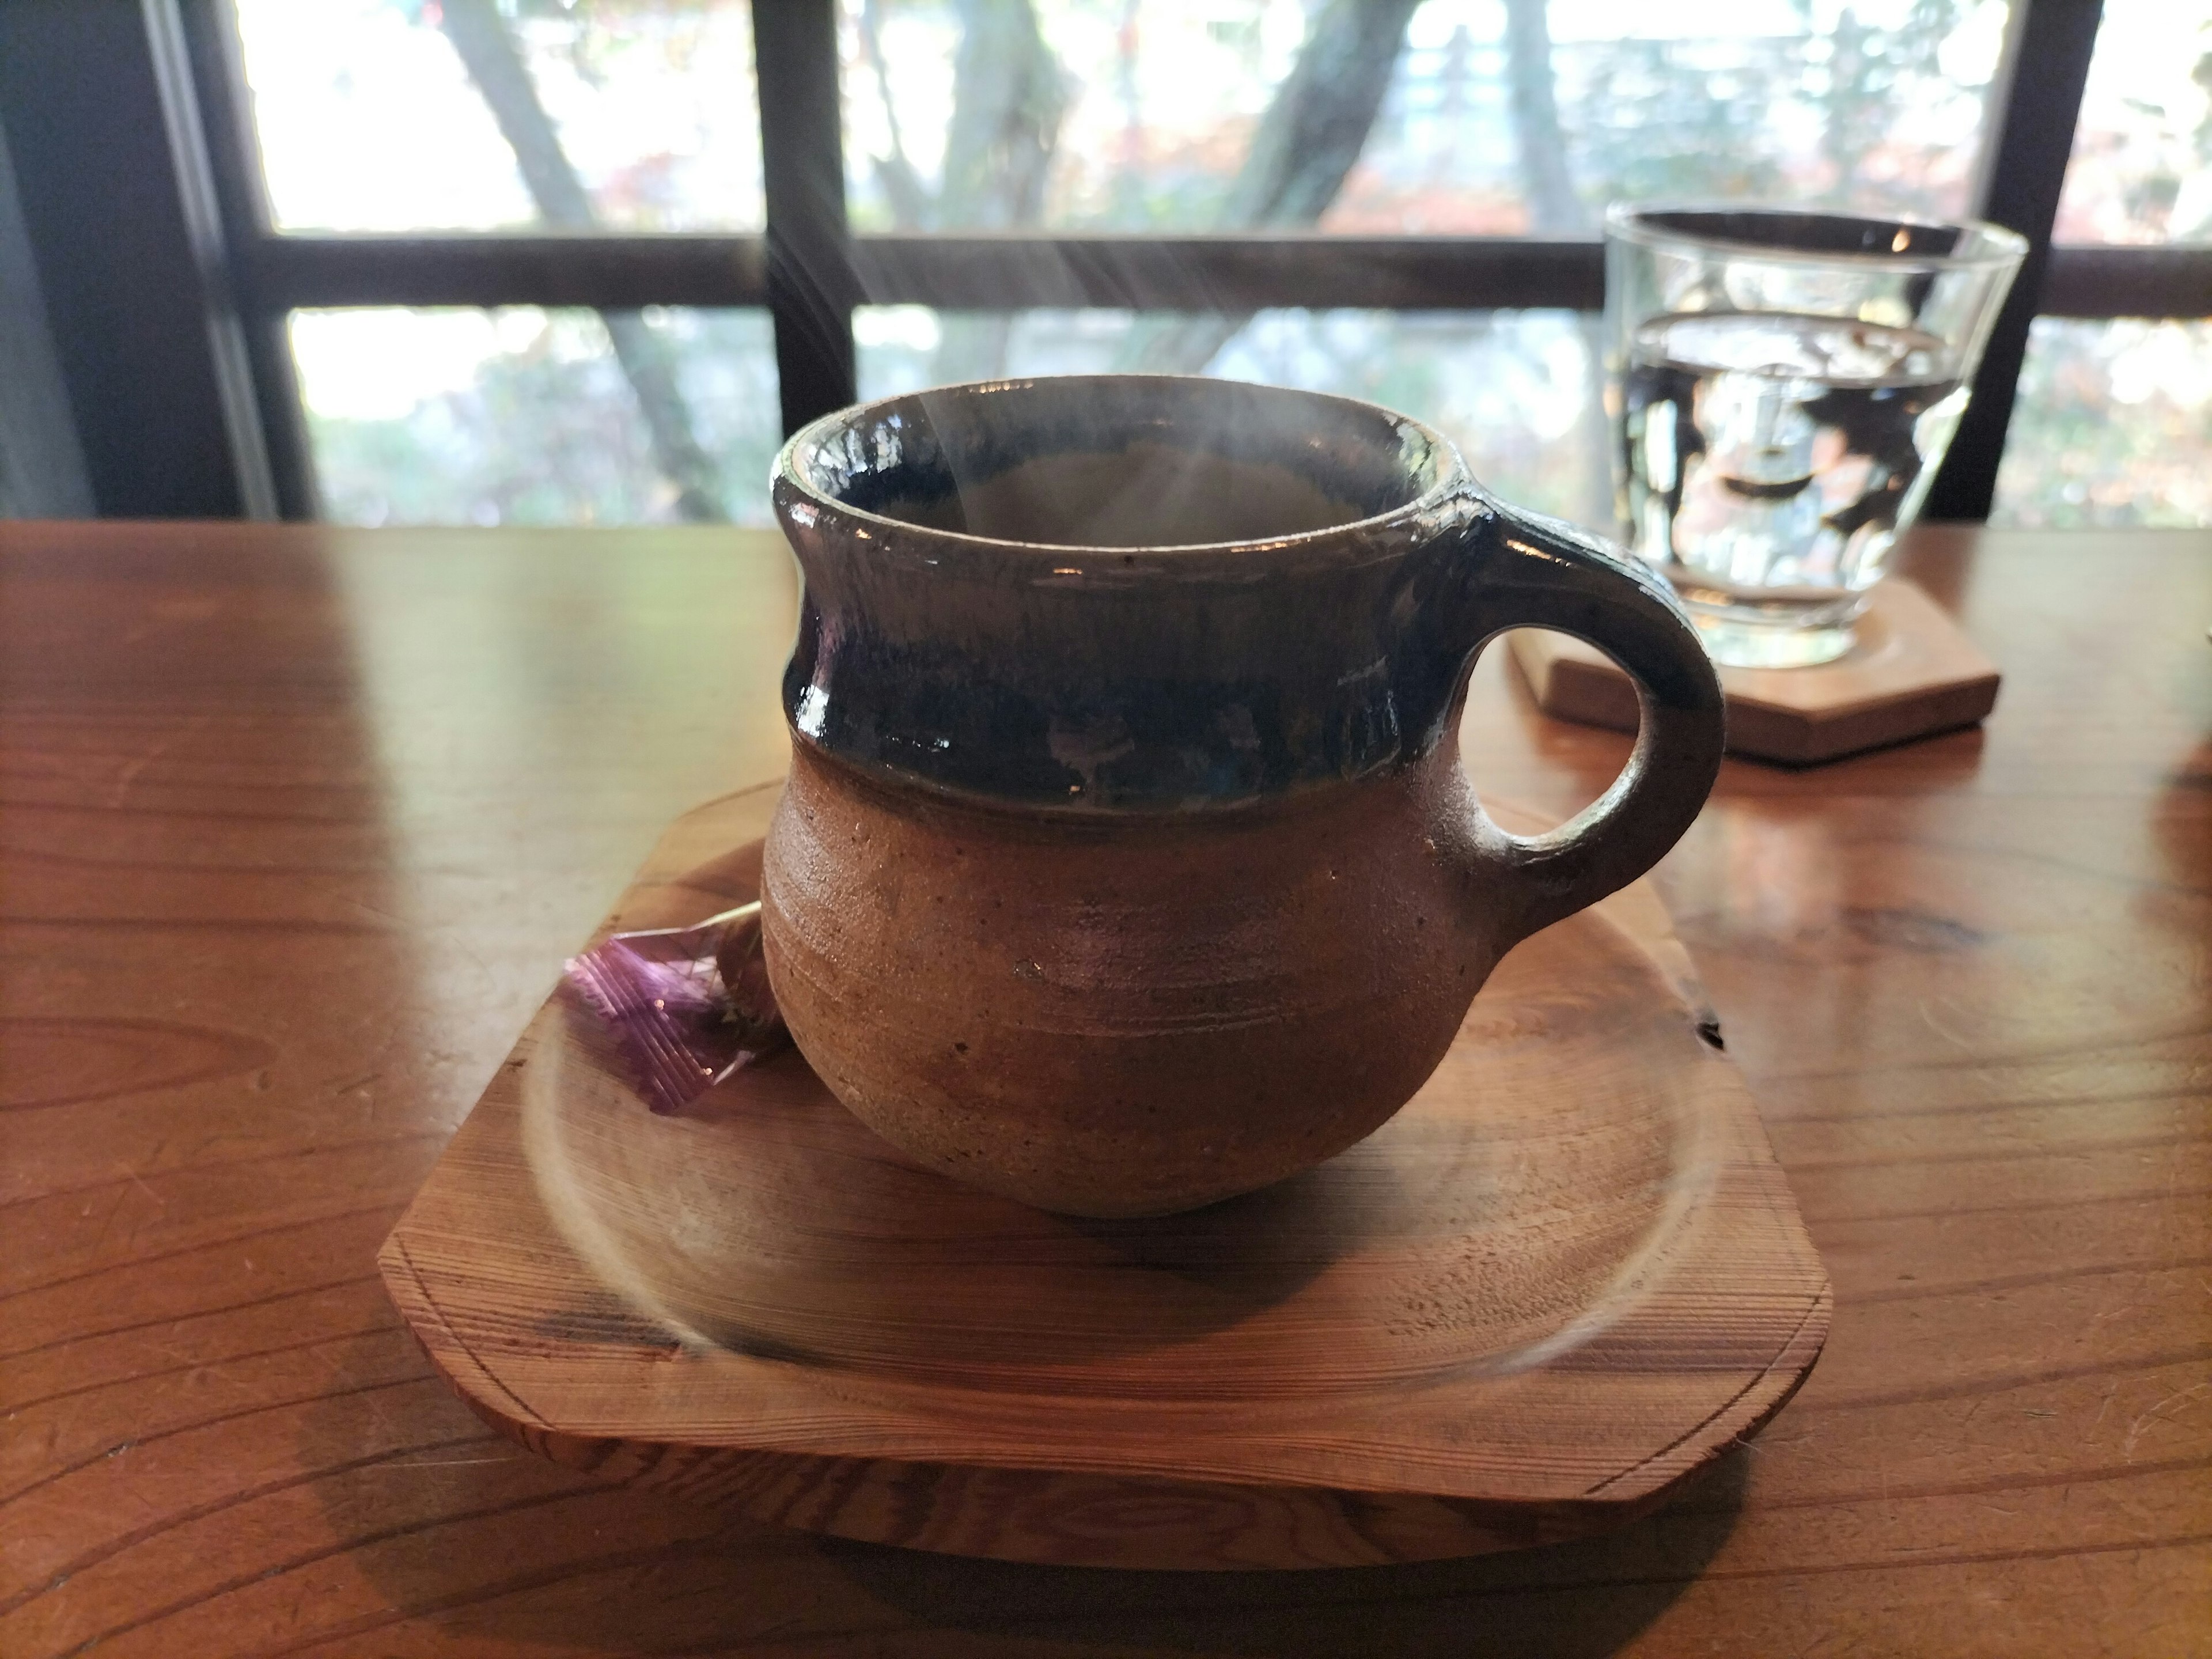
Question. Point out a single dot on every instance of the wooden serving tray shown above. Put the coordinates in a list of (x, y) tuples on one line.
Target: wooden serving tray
[(1568, 1275)]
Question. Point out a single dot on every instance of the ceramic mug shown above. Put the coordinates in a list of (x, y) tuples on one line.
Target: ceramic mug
[(1127, 862)]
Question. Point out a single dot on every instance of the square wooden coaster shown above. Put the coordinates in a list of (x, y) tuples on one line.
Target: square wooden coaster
[(1567, 1276), (1912, 673)]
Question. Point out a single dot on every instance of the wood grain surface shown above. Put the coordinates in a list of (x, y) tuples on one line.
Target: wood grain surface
[(1558, 1284), (299, 824)]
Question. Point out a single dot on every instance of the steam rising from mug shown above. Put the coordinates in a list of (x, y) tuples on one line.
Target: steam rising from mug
[(1234, 465)]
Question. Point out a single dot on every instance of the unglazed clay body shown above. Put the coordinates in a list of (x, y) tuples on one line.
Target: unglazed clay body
[(1127, 862)]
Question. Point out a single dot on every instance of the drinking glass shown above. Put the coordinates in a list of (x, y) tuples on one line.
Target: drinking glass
[(1784, 386)]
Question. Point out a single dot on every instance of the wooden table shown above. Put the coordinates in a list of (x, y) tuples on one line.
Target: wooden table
[(299, 823)]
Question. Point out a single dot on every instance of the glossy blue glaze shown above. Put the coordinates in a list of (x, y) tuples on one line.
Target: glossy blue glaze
[(1109, 594)]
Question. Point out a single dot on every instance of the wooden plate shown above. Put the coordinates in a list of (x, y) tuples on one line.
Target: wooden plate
[(1562, 1279)]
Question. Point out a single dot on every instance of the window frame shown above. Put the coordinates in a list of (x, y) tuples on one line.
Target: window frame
[(809, 270)]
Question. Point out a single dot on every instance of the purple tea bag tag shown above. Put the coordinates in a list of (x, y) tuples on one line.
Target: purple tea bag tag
[(688, 1006)]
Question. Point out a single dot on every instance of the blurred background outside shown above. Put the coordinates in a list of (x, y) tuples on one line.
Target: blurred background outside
[(1361, 117)]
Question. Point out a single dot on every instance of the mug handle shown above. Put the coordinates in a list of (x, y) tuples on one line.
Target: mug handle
[(1541, 573)]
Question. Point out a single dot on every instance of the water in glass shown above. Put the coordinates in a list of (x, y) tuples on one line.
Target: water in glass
[(1769, 457)]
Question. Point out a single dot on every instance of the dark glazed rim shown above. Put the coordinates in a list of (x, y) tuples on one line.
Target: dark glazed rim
[(1453, 478), (1636, 222)]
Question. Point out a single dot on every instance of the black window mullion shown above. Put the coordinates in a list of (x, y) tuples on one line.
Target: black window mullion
[(810, 286), (234, 152), (1246, 271), (135, 284), (2039, 91), (603, 270), (2128, 282), (1234, 271)]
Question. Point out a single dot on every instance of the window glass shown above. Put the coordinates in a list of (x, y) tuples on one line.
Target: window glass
[(482, 114), (2141, 169), (2112, 426), (522, 415), (1513, 389), (1388, 115)]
